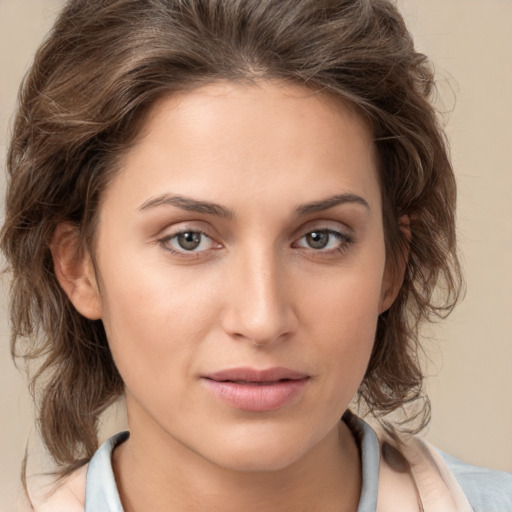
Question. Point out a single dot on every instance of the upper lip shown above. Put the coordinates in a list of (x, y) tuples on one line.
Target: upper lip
[(254, 375)]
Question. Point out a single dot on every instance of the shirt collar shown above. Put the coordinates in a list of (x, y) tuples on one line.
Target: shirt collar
[(101, 490)]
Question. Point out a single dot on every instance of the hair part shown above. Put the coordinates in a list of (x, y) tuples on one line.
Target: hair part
[(82, 104)]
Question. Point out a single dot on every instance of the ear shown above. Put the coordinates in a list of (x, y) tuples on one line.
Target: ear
[(395, 271), (75, 271)]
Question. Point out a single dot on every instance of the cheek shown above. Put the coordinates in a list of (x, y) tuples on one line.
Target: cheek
[(154, 322), (342, 318), (346, 302)]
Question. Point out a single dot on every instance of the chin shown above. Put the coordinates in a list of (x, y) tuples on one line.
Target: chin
[(260, 451), (268, 460)]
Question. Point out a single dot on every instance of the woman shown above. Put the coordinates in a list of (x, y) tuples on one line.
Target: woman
[(234, 214)]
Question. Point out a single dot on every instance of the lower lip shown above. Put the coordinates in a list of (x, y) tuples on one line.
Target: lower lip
[(256, 397)]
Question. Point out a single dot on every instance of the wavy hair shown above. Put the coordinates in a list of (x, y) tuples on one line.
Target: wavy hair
[(106, 62)]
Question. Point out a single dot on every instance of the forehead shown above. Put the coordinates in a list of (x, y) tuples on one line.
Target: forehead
[(295, 113), (223, 138)]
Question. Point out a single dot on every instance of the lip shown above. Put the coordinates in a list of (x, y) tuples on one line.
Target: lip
[(255, 390)]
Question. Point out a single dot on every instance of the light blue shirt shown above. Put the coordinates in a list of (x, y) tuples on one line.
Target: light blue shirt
[(487, 490)]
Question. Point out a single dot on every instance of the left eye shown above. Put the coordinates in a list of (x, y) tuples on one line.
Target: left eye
[(188, 241), (323, 239)]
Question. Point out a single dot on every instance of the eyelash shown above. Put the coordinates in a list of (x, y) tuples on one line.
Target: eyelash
[(344, 239), (165, 243)]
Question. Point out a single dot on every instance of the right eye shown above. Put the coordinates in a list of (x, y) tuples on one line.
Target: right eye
[(188, 241)]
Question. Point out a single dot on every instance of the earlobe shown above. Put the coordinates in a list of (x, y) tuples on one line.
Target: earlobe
[(391, 285), (74, 271), (394, 273)]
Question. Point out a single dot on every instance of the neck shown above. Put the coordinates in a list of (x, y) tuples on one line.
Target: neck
[(156, 473)]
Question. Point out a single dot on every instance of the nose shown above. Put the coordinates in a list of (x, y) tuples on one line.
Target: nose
[(259, 304)]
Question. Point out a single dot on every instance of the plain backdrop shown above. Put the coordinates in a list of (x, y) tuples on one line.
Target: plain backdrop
[(470, 354)]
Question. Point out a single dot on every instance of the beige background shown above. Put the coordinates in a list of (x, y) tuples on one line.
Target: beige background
[(470, 43)]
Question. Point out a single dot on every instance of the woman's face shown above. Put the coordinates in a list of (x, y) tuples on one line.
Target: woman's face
[(241, 263)]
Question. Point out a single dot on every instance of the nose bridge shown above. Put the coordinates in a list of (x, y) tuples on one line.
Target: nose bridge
[(259, 308)]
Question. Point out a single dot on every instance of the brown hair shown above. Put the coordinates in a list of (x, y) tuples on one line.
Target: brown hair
[(105, 62)]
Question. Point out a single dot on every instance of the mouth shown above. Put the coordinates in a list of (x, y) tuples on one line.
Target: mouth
[(256, 390), (253, 376)]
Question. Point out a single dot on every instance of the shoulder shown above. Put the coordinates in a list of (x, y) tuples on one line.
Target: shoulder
[(50, 496), (441, 481), (487, 490), (93, 483)]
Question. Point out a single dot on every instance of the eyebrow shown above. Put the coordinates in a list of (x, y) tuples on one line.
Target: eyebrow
[(188, 204), (209, 208), (330, 202)]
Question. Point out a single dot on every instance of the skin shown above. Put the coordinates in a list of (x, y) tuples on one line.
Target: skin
[(254, 293)]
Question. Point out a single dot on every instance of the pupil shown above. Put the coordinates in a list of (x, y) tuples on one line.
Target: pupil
[(189, 241), (317, 239)]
